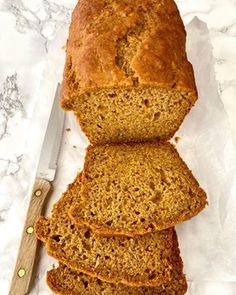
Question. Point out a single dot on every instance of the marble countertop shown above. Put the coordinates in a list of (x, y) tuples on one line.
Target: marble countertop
[(27, 30)]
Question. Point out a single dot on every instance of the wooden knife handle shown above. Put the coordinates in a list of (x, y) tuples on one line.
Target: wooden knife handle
[(25, 264)]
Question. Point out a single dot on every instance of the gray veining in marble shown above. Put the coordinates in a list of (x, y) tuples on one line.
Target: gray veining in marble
[(10, 103), (45, 21)]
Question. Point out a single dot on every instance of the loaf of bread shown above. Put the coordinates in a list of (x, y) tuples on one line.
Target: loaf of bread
[(133, 189), (140, 261), (65, 281), (127, 77)]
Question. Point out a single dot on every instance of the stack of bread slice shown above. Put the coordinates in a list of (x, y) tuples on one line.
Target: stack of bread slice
[(129, 83)]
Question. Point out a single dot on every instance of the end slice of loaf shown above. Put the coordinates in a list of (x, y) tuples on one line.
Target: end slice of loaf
[(141, 261), (133, 189), (65, 281), (127, 77)]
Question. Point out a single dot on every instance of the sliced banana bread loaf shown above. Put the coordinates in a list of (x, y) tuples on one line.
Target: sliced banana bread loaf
[(127, 77), (141, 261), (132, 189), (65, 281)]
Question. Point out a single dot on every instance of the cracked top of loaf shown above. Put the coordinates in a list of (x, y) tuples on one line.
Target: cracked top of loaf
[(125, 43)]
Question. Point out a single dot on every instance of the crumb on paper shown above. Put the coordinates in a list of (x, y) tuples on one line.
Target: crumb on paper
[(55, 265), (64, 47), (177, 139), (74, 146), (68, 129)]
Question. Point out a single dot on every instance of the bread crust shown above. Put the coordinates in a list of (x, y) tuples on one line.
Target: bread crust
[(154, 35)]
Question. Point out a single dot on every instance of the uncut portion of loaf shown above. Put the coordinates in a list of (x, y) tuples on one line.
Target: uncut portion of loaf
[(127, 77), (132, 189), (141, 261), (65, 281)]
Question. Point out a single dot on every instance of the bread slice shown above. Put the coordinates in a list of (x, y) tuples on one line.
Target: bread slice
[(133, 189), (141, 261), (127, 77), (65, 281)]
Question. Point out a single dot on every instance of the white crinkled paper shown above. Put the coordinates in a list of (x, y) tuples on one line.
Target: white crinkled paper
[(208, 241)]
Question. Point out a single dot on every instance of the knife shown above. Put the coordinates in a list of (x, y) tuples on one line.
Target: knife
[(25, 265)]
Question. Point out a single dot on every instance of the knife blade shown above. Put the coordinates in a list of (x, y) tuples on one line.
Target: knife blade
[(51, 146), (27, 255)]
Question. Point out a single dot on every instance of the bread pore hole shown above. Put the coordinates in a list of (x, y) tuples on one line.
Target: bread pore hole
[(109, 223), (56, 238), (87, 234), (152, 186), (152, 276), (157, 115), (85, 283), (146, 102), (111, 95)]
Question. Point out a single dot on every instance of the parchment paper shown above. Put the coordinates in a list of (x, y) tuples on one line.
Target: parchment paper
[(207, 241)]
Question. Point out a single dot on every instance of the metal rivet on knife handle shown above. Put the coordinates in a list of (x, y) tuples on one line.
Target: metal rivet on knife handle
[(21, 272), (30, 230), (38, 193)]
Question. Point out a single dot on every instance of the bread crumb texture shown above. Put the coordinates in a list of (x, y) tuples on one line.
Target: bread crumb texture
[(140, 261), (133, 189), (66, 281)]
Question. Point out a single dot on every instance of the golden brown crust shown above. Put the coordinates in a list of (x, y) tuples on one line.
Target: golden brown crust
[(155, 40), (156, 225)]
